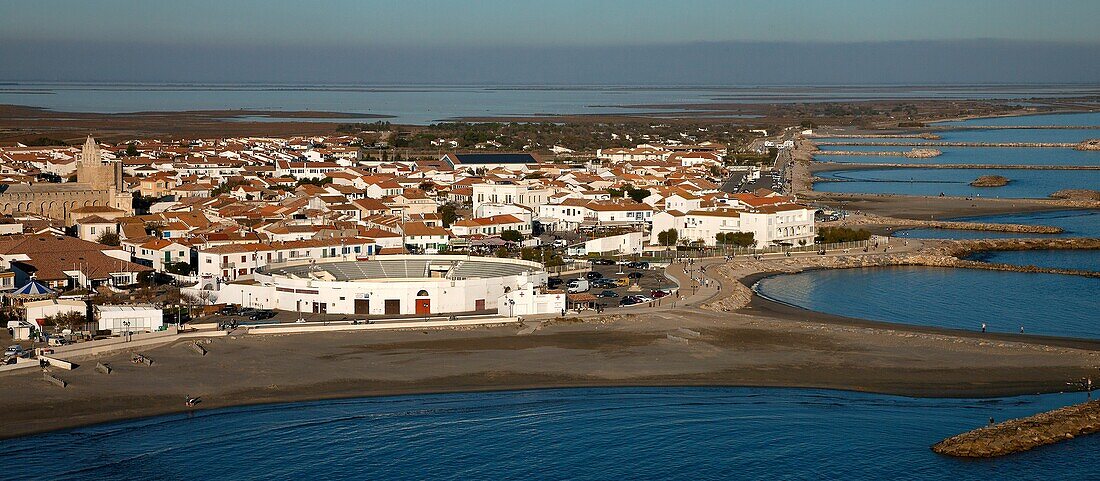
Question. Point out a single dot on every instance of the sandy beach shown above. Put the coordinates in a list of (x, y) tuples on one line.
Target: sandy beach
[(763, 344)]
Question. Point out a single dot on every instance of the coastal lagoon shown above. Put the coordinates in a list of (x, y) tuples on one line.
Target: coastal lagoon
[(1088, 260), (1074, 223), (965, 155), (423, 104), (1050, 304), (1070, 119), (576, 434), (955, 182)]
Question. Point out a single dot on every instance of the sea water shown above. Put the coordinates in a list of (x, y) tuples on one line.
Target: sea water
[(1051, 304), (1074, 223), (559, 434), (1023, 183)]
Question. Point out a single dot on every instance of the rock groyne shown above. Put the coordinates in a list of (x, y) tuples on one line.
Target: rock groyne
[(1090, 144), (867, 219), (1018, 435), (911, 154), (1061, 145)]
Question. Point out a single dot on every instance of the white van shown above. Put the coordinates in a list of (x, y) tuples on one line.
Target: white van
[(577, 285)]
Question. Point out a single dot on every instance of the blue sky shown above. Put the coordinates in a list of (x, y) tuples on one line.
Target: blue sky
[(384, 41)]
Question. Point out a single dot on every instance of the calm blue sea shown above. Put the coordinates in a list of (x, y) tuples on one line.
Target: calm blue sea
[(1074, 223), (1088, 260), (565, 434), (1050, 304)]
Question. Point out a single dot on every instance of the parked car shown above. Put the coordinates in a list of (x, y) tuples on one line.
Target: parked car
[(638, 265), (603, 262), (262, 315), (553, 282), (659, 293), (593, 275), (13, 350), (604, 283), (634, 275), (609, 293)]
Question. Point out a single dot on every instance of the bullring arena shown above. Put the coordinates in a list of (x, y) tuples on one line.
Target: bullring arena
[(399, 285)]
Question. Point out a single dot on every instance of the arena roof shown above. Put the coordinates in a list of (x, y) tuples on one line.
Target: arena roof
[(403, 269)]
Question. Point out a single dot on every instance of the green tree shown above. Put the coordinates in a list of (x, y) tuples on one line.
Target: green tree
[(179, 268), (511, 235), (108, 238), (740, 239), (833, 235), (131, 150), (637, 195), (668, 237), (447, 211)]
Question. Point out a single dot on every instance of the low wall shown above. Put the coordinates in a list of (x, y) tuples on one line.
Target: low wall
[(319, 327)]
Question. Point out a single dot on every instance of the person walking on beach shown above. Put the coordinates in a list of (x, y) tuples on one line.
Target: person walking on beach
[(983, 327)]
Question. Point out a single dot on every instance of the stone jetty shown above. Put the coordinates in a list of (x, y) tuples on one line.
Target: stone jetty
[(1091, 144), (875, 165), (1022, 434), (1061, 145), (911, 154)]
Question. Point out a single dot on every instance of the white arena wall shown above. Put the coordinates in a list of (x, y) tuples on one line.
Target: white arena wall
[(268, 289)]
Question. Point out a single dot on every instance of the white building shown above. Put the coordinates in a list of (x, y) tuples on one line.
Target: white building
[(771, 225), (133, 318), (394, 285), (232, 261), (38, 311), (509, 193)]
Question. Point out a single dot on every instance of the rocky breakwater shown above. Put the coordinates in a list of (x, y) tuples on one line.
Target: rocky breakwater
[(990, 181), (1090, 144), (910, 154), (1077, 194), (1022, 434), (871, 219)]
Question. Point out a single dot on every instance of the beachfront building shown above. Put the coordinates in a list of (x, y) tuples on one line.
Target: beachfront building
[(771, 225), (120, 319), (395, 285)]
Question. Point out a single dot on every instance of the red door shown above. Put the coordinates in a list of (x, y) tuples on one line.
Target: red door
[(423, 306)]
